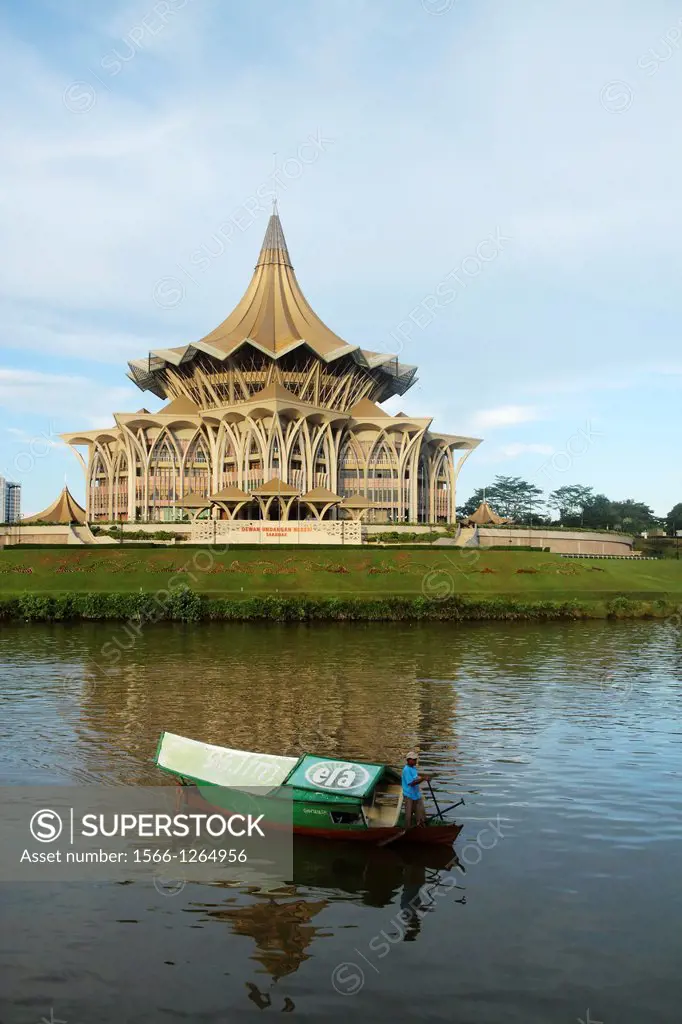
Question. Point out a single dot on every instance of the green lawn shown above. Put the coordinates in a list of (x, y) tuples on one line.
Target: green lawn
[(351, 572)]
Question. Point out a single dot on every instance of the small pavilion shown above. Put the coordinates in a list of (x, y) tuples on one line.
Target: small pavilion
[(485, 516), (356, 505), (231, 500), (65, 509), (275, 495), (321, 500), (194, 504), (275, 490)]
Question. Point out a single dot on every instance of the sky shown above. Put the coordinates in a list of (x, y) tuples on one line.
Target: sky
[(489, 189)]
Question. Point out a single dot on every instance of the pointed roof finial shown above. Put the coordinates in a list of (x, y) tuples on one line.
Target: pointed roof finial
[(274, 247)]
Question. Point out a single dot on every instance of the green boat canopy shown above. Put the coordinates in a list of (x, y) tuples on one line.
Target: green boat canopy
[(243, 769), (327, 775), (222, 766)]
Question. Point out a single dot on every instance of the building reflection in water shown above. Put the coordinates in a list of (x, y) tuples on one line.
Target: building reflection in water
[(269, 689), (410, 880), (280, 929)]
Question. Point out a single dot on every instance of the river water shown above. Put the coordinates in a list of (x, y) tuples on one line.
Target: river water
[(565, 904)]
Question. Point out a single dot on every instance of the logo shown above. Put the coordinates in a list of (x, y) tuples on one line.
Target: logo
[(169, 886), (617, 97), (337, 775), (46, 826), (348, 978)]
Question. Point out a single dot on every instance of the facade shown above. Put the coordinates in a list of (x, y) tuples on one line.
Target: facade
[(271, 416), (10, 501)]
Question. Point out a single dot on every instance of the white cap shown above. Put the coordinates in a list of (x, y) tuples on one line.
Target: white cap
[(410, 756)]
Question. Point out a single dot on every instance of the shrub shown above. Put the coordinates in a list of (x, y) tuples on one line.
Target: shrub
[(184, 605), (404, 537)]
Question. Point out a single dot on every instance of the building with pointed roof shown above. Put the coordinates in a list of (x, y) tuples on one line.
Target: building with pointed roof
[(64, 509), (271, 394), (485, 516)]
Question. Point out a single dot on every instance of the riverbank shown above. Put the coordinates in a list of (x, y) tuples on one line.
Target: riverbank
[(349, 584), (185, 605)]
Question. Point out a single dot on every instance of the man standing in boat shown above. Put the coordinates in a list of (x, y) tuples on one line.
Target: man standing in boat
[(412, 797)]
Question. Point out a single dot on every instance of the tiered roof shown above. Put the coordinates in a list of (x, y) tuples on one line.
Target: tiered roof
[(274, 317)]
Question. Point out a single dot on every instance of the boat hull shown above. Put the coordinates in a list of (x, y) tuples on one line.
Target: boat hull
[(430, 834), (218, 800)]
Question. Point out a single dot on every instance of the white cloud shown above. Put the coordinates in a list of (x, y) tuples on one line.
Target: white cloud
[(504, 416), (23, 437), (512, 451), (668, 369), (85, 402), (56, 336)]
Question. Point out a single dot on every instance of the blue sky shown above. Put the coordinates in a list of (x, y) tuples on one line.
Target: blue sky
[(139, 136)]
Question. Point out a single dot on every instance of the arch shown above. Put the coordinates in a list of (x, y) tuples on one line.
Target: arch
[(164, 475), (254, 460), (99, 486), (276, 452), (277, 508), (351, 467), (229, 474), (441, 486), (408, 459), (320, 467), (197, 466), (382, 477), (120, 486), (423, 488), (136, 453), (297, 468)]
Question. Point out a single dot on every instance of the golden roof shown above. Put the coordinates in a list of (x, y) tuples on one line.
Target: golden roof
[(274, 390), (181, 405), (366, 407), (357, 501), (273, 313), (65, 509), (275, 317), (484, 515), (193, 501), (231, 494), (320, 495), (275, 486)]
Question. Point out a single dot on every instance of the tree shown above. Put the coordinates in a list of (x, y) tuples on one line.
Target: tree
[(509, 496), (633, 516), (515, 498), (570, 502), (470, 506), (673, 520), (598, 512), (630, 516)]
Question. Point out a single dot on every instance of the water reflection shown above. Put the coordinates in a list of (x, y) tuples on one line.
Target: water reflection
[(552, 733), (410, 880), (281, 930)]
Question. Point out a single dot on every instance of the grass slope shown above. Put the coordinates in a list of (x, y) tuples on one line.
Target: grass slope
[(353, 573)]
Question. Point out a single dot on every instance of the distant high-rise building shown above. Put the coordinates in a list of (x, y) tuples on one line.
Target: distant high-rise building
[(10, 501)]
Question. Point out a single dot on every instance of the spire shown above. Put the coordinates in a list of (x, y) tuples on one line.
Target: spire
[(274, 247), (273, 313)]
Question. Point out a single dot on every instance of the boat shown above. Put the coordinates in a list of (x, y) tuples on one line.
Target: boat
[(320, 797)]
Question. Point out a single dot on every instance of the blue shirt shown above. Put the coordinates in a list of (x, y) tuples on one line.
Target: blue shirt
[(409, 789)]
